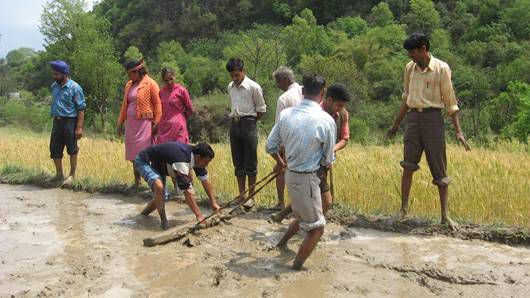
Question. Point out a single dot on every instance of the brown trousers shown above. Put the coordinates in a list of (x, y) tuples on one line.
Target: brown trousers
[(425, 132)]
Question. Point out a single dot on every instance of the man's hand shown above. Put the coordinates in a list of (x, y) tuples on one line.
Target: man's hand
[(391, 133), (279, 167), (119, 130), (460, 137), (78, 132)]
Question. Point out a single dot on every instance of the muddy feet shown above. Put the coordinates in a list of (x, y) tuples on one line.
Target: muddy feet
[(164, 225), (450, 224), (68, 182), (276, 218), (399, 217), (249, 205)]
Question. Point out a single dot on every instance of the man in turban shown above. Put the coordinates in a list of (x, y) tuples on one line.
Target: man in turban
[(68, 112)]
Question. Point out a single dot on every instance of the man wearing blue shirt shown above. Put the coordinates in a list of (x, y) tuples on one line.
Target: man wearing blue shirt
[(68, 112), (308, 134)]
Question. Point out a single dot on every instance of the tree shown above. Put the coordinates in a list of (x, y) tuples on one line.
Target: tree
[(512, 112), (423, 17), (305, 36), (262, 51), (381, 15), (84, 40), (95, 65), (132, 53), (352, 26), (517, 18)]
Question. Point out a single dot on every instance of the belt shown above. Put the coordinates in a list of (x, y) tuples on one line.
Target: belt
[(297, 172), (239, 118), (62, 118), (426, 110)]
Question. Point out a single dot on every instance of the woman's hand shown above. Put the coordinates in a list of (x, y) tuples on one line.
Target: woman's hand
[(154, 129), (119, 130)]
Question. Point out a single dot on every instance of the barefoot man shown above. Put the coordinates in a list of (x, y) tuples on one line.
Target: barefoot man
[(68, 112), (336, 98), (291, 97), (308, 135), (247, 107), (427, 90), (176, 160)]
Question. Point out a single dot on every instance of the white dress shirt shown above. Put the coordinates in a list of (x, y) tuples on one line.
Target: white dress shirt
[(247, 99), (290, 98)]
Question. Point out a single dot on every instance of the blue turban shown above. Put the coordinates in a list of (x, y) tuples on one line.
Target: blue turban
[(60, 66)]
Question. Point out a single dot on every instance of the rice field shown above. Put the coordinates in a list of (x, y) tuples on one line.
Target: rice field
[(490, 186)]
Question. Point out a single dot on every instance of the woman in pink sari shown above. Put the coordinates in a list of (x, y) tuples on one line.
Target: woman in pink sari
[(176, 109)]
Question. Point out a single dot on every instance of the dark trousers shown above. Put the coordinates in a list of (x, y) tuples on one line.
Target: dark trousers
[(425, 132), (244, 146), (63, 135)]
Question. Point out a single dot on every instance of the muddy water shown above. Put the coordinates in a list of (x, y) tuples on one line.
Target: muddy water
[(60, 243)]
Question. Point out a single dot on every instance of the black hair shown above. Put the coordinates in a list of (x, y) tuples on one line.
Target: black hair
[(134, 63), (167, 70), (234, 64), (338, 92), (416, 40), (313, 84), (204, 150)]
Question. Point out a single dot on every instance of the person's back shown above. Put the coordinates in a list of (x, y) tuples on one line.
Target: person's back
[(308, 134), (304, 130)]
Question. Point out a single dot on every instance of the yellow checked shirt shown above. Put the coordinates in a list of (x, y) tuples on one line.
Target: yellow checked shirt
[(430, 88)]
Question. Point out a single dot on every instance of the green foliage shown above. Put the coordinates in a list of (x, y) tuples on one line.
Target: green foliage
[(423, 16), (381, 15), (517, 18), (132, 53), (204, 75), (305, 36), (512, 112), (352, 26), (261, 49)]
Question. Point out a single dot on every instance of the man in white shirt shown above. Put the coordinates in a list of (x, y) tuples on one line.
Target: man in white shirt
[(292, 96), (247, 106)]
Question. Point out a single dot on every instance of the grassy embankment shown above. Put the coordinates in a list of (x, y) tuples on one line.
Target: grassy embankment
[(490, 186)]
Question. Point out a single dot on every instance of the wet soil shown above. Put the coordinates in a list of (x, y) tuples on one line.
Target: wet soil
[(63, 243)]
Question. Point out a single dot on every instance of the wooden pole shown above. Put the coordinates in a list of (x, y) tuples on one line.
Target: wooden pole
[(211, 220)]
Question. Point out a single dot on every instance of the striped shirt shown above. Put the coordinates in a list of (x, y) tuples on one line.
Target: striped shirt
[(308, 134)]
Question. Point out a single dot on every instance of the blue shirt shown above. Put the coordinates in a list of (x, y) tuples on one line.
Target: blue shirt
[(308, 134), (68, 99)]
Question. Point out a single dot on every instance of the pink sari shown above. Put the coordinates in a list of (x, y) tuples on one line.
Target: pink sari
[(137, 132), (176, 109)]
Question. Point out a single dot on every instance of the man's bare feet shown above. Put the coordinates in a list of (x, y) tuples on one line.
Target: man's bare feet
[(276, 218), (164, 225), (215, 207), (400, 216), (249, 204), (68, 181), (446, 221)]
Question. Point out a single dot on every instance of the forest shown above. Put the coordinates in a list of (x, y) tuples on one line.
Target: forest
[(357, 43)]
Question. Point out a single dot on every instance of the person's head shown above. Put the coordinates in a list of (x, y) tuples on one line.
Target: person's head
[(336, 98), (417, 45), (168, 75), (203, 154), (60, 70), (135, 70), (313, 87), (284, 77), (236, 68)]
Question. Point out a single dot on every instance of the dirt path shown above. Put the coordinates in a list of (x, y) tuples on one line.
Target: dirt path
[(60, 243)]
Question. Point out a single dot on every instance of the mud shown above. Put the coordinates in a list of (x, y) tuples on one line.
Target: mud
[(61, 243)]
